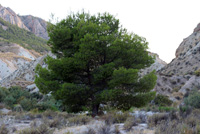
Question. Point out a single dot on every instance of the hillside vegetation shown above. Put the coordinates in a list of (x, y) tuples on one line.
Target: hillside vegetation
[(12, 33)]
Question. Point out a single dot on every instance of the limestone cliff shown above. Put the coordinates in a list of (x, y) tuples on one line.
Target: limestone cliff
[(28, 22), (36, 25), (9, 15), (157, 65), (13, 56)]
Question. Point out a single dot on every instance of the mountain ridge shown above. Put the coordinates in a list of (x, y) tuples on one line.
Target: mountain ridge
[(30, 23)]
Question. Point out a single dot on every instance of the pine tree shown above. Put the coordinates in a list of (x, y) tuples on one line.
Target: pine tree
[(97, 62)]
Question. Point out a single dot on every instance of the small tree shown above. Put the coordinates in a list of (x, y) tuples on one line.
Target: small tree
[(97, 62)]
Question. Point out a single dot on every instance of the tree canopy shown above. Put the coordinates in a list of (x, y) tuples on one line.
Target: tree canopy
[(97, 62)]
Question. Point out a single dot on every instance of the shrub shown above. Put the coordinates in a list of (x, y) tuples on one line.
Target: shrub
[(156, 119), (49, 103), (56, 122), (90, 131), (169, 127), (116, 130), (104, 130), (28, 104), (162, 100), (115, 117), (192, 121), (166, 109), (79, 120), (3, 129), (184, 111), (129, 123), (197, 72), (3, 93), (193, 100), (17, 93), (42, 129), (10, 101)]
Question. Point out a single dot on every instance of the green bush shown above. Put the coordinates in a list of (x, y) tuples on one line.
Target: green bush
[(193, 100), (28, 104), (162, 100), (166, 109), (10, 101), (15, 95), (197, 72), (49, 103), (3, 93)]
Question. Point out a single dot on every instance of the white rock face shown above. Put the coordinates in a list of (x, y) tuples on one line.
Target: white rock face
[(23, 76), (10, 16), (12, 57), (157, 65)]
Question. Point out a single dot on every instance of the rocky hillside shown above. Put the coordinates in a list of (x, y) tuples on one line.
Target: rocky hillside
[(30, 23), (13, 56), (20, 46), (178, 77), (36, 25)]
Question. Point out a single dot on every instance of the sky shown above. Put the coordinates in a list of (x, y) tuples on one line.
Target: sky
[(164, 23)]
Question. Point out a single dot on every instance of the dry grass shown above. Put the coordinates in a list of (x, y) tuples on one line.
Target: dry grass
[(129, 123), (156, 119), (79, 120), (42, 129), (3, 129), (10, 56), (115, 117)]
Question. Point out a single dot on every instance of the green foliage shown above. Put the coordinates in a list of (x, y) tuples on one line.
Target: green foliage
[(15, 95), (162, 100), (3, 93), (28, 104), (49, 103), (166, 109), (23, 37), (10, 101), (193, 100), (97, 62), (197, 72)]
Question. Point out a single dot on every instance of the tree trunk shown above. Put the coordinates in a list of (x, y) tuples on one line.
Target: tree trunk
[(95, 110)]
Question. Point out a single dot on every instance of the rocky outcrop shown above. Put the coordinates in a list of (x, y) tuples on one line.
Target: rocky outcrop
[(13, 56), (157, 65), (187, 57), (24, 75), (178, 78), (28, 22), (36, 25), (9, 15)]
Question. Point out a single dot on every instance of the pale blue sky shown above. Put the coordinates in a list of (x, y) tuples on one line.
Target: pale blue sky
[(164, 23)]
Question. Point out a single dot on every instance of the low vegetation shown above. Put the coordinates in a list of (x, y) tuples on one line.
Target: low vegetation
[(18, 99), (23, 37)]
